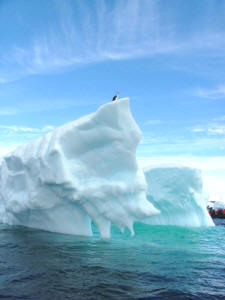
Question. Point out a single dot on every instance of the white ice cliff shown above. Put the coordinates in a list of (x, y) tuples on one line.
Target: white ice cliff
[(86, 171)]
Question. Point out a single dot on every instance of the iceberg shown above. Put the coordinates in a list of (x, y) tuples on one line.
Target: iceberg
[(81, 172), (86, 171), (177, 192)]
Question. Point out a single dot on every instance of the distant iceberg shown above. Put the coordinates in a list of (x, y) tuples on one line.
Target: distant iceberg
[(177, 192), (86, 171)]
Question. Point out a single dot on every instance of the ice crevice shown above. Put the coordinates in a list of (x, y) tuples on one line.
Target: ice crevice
[(86, 171)]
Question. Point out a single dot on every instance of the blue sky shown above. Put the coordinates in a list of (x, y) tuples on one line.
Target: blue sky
[(60, 60)]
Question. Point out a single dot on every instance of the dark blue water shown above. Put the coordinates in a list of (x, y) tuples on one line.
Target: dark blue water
[(160, 262)]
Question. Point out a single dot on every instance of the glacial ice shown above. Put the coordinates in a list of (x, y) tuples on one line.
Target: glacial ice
[(86, 171), (177, 192)]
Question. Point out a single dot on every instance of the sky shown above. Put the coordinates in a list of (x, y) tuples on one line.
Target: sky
[(60, 60)]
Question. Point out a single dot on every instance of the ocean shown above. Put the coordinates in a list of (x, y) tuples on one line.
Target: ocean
[(159, 262)]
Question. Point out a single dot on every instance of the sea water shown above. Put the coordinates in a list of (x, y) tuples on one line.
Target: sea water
[(159, 262)]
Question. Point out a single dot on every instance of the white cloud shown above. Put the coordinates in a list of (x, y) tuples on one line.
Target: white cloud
[(149, 140), (153, 122), (204, 163), (8, 111), (214, 128), (212, 137), (210, 129), (215, 187), (219, 119), (13, 136), (218, 129), (119, 30), (44, 104), (214, 93), (83, 33), (198, 129), (6, 148), (47, 128), (15, 128)]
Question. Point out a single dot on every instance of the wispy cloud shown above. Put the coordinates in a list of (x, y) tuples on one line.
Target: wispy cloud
[(198, 129), (219, 129), (84, 32), (108, 30), (8, 111), (45, 105), (211, 142), (214, 93), (44, 129), (205, 163), (154, 122), (219, 119), (214, 127), (12, 136), (112, 33), (210, 129)]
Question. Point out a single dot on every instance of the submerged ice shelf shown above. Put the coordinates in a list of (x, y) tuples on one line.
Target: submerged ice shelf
[(87, 171)]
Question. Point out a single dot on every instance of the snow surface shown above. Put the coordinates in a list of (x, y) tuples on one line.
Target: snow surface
[(86, 171)]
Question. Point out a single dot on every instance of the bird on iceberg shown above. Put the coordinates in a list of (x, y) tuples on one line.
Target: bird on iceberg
[(115, 97)]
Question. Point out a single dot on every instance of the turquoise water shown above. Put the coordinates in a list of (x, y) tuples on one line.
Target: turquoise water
[(160, 262)]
